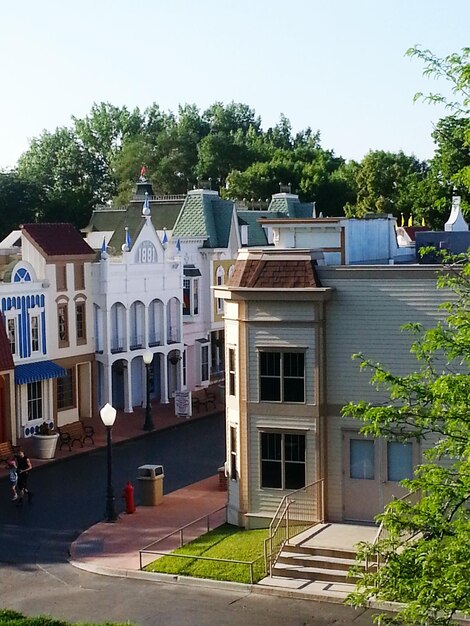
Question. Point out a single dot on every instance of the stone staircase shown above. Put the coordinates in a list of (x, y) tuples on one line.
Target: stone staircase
[(314, 563)]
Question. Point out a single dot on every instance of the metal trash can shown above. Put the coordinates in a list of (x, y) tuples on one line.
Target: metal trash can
[(150, 478)]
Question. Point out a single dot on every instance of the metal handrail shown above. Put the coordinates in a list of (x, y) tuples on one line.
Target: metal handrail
[(209, 558), (180, 531), (308, 505)]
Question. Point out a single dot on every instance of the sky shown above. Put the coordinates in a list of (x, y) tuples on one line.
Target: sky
[(338, 66)]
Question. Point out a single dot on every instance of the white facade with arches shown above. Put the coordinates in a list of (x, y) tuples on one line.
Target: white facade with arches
[(138, 308)]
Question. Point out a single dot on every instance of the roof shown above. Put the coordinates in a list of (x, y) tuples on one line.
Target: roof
[(6, 358), (57, 239), (256, 233), (277, 271), (105, 219), (205, 215), (289, 205)]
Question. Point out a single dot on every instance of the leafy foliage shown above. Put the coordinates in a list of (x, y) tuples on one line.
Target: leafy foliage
[(425, 547)]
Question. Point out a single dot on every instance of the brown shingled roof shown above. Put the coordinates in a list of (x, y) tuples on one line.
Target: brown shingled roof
[(275, 274), (58, 239), (6, 359)]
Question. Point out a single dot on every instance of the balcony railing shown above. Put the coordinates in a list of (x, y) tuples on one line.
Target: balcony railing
[(118, 344), (136, 342)]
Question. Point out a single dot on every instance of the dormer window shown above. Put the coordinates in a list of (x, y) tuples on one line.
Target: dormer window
[(191, 290)]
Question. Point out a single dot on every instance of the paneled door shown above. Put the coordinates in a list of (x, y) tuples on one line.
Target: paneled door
[(372, 471)]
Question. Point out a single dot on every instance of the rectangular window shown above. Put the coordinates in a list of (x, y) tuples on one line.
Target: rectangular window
[(231, 372), (204, 363), (35, 334), (233, 453), (34, 401), (361, 459), (190, 296), (11, 330), (80, 321), (79, 276), (61, 277), (282, 461), (282, 376), (62, 322), (399, 460), (65, 395)]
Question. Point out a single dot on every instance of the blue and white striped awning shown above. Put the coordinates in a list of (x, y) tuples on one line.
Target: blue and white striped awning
[(42, 370)]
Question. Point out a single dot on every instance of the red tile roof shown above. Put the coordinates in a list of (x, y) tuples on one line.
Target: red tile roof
[(6, 359), (275, 274), (58, 239)]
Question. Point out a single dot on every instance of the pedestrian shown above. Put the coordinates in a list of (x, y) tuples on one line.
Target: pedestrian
[(13, 476), (24, 467)]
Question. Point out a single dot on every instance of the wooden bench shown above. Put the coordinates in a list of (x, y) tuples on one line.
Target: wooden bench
[(75, 431), (7, 451)]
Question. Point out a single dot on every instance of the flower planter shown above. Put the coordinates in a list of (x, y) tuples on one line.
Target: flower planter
[(44, 446)]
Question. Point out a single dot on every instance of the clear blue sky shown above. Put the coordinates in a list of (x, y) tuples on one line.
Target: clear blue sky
[(335, 65)]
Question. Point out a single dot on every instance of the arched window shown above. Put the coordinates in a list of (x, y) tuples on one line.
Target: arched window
[(219, 280), (22, 276)]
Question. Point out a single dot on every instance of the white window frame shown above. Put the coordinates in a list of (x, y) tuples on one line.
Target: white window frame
[(191, 286)]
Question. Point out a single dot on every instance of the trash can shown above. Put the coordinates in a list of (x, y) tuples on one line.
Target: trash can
[(150, 478)]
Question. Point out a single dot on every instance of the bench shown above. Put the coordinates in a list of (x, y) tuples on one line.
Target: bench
[(75, 431), (203, 399), (7, 451)]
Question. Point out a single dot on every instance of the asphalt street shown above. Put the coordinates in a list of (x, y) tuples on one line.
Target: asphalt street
[(70, 497)]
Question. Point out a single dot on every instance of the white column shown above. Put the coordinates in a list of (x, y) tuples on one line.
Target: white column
[(128, 388), (164, 378)]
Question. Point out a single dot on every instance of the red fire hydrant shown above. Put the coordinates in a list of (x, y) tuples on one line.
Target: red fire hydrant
[(128, 494)]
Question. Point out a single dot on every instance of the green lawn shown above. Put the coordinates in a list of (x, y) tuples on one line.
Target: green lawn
[(224, 542), (13, 618)]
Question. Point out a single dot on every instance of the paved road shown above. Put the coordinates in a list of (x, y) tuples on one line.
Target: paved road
[(70, 496)]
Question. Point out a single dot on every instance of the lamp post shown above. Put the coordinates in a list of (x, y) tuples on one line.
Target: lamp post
[(148, 424), (108, 415)]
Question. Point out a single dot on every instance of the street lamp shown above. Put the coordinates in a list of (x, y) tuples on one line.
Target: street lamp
[(148, 424), (108, 415)]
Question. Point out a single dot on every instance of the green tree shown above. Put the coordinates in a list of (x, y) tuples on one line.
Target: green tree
[(425, 548), (69, 175), (387, 183), (20, 202)]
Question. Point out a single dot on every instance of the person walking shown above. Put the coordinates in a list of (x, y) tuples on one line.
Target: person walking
[(13, 476), (24, 467)]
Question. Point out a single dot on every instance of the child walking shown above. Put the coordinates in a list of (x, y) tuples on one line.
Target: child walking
[(13, 475)]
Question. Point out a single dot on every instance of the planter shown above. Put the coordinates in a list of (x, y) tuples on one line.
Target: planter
[(44, 446)]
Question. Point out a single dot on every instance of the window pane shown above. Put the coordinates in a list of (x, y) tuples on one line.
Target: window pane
[(399, 460), (294, 475), (293, 364), (271, 446), (361, 459), (270, 363), (65, 391), (294, 390), (294, 447), (271, 474)]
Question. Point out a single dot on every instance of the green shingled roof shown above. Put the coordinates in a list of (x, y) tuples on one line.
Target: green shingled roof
[(290, 206), (256, 233), (205, 215), (107, 219)]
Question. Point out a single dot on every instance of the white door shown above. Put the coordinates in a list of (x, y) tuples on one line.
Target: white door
[(372, 471)]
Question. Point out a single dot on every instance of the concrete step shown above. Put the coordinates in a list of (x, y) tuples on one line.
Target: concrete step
[(313, 573), (317, 561), (320, 551)]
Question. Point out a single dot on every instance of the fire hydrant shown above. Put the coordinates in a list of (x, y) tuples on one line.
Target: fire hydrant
[(128, 494)]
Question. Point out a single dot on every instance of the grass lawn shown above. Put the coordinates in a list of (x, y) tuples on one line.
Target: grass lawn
[(224, 542), (13, 618)]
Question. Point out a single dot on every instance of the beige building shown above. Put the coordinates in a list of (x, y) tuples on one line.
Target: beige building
[(291, 328)]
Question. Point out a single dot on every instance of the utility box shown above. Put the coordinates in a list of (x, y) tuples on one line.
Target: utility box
[(150, 479)]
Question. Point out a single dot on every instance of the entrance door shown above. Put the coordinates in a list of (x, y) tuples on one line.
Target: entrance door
[(372, 471)]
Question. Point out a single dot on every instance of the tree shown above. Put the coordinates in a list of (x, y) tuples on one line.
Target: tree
[(425, 549), (20, 202), (451, 165), (387, 183)]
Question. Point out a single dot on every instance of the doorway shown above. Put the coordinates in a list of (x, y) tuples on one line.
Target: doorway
[(372, 471)]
